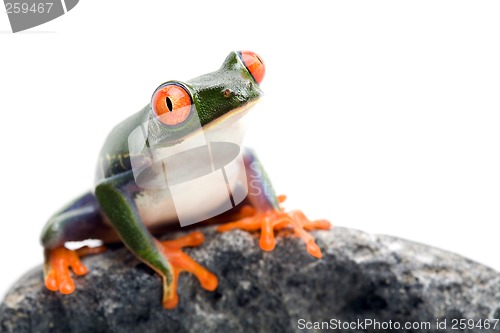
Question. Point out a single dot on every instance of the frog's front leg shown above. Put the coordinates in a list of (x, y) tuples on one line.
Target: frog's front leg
[(269, 215), (115, 195)]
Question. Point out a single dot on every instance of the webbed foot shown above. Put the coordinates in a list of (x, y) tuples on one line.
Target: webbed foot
[(273, 219), (58, 262), (181, 262)]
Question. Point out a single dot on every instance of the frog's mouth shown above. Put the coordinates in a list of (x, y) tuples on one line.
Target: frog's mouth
[(232, 116), (227, 128)]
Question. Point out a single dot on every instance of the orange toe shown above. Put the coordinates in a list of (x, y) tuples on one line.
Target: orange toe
[(271, 220), (59, 262), (300, 224), (193, 239), (171, 302), (314, 249), (267, 242), (281, 198), (181, 262), (51, 282), (66, 286)]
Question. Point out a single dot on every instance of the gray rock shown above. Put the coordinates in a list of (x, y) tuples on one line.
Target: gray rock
[(361, 276)]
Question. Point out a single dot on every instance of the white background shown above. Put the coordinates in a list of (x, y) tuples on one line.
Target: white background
[(381, 116)]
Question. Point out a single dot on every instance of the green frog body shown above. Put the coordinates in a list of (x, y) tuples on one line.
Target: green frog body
[(137, 194)]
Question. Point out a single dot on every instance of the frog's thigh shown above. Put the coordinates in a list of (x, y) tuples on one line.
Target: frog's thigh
[(80, 220), (115, 196), (260, 190)]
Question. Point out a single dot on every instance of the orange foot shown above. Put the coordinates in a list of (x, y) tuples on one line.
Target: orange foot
[(181, 262), (268, 221), (59, 260)]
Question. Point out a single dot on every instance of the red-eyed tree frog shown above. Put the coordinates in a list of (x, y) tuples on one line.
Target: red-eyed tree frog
[(118, 209)]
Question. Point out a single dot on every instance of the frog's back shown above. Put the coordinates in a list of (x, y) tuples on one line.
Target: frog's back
[(114, 157)]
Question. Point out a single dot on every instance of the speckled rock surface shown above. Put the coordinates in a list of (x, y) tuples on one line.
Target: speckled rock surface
[(361, 277)]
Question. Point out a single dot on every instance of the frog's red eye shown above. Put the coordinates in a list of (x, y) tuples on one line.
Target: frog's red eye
[(254, 64), (171, 103)]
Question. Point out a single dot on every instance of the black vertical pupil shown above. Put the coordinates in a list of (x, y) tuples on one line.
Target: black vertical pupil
[(169, 104)]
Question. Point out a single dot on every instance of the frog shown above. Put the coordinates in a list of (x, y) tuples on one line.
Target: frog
[(121, 209)]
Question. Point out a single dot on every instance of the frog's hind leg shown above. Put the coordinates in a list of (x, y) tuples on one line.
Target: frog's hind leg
[(78, 221), (269, 215)]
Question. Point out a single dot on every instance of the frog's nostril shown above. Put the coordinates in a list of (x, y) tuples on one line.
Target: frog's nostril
[(254, 64)]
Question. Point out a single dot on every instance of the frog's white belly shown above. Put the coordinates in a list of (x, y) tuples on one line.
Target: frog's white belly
[(205, 175), (156, 208), (192, 200)]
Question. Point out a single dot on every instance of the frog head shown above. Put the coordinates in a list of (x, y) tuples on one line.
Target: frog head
[(180, 109)]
